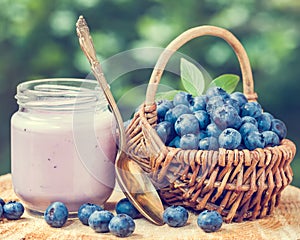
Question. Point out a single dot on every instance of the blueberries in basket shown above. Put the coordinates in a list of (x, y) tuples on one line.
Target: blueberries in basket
[(189, 141), (203, 118), (99, 220), (56, 214), (209, 221), (126, 207), (13, 210), (252, 109), (173, 113), (279, 128), (85, 211), (2, 202), (215, 112), (183, 98), (198, 103), (121, 225), (209, 143), (162, 107), (264, 122), (271, 138), (230, 139), (226, 116), (239, 97), (254, 140), (187, 123), (175, 216)]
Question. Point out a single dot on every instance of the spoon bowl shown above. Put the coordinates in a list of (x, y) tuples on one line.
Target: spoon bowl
[(133, 181)]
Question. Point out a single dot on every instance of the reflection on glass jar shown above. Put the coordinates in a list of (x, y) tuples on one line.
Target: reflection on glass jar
[(63, 144)]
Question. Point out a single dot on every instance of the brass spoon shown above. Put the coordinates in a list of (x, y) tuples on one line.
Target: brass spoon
[(135, 184)]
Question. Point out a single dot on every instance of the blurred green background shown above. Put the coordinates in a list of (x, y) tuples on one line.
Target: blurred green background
[(38, 40)]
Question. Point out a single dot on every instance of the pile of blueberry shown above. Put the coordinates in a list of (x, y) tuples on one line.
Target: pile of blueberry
[(11, 210), (100, 220), (217, 120)]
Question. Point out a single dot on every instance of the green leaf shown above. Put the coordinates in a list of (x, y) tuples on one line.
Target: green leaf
[(226, 81), (191, 77), (166, 95)]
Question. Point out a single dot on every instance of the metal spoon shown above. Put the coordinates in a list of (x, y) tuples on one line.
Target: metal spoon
[(135, 184)]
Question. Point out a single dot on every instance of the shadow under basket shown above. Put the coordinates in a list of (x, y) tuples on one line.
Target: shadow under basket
[(239, 184)]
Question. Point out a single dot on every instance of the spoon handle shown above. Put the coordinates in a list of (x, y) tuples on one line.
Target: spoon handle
[(87, 46)]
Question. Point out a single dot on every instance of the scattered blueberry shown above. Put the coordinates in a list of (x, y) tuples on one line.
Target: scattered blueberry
[(187, 123), (209, 143), (99, 220), (56, 214), (230, 139), (85, 211), (189, 141), (279, 128), (126, 207), (209, 221), (182, 98), (271, 138), (121, 225), (13, 210), (175, 216)]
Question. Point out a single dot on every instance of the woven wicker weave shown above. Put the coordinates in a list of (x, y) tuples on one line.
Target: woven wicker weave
[(239, 184)]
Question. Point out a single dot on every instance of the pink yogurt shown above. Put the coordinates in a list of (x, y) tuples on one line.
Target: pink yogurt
[(63, 155)]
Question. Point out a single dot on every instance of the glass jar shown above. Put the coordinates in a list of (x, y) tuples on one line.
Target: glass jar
[(63, 144)]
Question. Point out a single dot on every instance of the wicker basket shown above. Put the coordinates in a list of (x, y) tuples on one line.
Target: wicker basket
[(239, 184)]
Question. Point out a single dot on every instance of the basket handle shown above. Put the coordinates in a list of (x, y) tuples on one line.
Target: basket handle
[(248, 85)]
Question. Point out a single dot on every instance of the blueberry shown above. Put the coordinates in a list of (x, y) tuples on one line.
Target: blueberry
[(203, 118), (226, 116), (279, 128), (252, 109), (162, 107), (2, 202), (1, 211), (264, 122), (209, 143), (254, 140), (212, 130), (248, 119), (56, 214), (175, 142), (209, 221), (198, 103), (270, 115), (99, 220), (230, 139), (173, 113), (183, 98), (165, 131), (247, 128), (216, 91), (121, 225), (213, 103), (13, 210), (187, 123), (85, 211), (126, 207), (271, 138), (233, 103), (201, 135), (175, 216), (189, 141), (239, 97)]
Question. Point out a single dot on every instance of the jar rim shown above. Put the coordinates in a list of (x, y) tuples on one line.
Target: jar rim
[(60, 94)]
